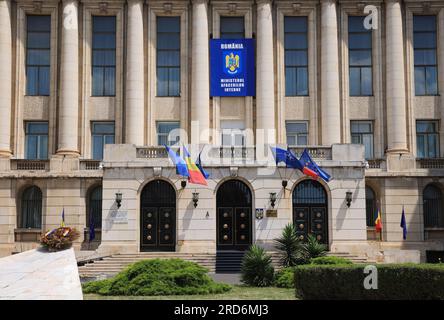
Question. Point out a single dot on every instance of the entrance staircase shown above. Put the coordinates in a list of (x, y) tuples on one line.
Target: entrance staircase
[(221, 262), (109, 266)]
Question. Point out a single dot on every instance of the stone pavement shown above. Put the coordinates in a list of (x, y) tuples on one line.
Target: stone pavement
[(229, 278), (40, 275)]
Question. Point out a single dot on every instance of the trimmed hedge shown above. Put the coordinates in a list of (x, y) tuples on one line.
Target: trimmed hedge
[(395, 282), (330, 260), (158, 277), (284, 278)]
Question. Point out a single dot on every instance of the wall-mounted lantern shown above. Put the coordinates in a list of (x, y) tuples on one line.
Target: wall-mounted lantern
[(272, 198), (119, 199), (348, 198), (284, 183), (195, 198)]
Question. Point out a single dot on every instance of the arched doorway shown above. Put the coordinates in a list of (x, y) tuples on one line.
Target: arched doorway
[(234, 221), (158, 217), (310, 210)]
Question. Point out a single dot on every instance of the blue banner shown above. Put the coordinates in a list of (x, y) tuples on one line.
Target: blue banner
[(232, 68)]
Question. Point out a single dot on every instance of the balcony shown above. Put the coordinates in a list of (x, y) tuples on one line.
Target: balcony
[(315, 152), (376, 164), (90, 164), (430, 163), (30, 165)]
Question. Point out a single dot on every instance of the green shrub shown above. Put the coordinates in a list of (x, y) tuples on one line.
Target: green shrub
[(289, 247), (257, 269), (312, 248), (395, 281), (158, 277), (330, 260), (284, 278)]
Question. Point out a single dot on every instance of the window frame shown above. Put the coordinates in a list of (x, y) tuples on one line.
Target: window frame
[(21, 223), (360, 66), (296, 135), (103, 67), (38, 66), (424, 67), (428, 216), (299, 66), (169, 67), (102, 135), (225, 34), (426, 139), (39, 143), (158, 134), (361, 135)]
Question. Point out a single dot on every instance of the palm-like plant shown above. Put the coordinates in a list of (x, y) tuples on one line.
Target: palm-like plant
[(312, 248), (289, 247), (257, 269)]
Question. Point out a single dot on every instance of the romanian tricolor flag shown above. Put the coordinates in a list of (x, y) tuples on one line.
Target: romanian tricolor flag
[(378, 222), (195, 174)]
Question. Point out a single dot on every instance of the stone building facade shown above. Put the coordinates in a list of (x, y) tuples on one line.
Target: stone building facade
[(73, 81)]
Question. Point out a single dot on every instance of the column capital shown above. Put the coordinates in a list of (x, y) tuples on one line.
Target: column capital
[(261, 2), (392, 1), (135, 1), (199, 2), (328, 1)]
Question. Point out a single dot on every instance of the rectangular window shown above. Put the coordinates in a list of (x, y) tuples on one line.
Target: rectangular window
[(360, 57), (102, 133), (232, 28), (103, 56), (297, 133), (38, 47), (233, 133), (36, 140), (427, 139), (168, 56), (168, 133), (362, 133), (296, 56), (424, 43)]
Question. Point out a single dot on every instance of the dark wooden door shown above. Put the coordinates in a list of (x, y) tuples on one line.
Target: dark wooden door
[(234, 217), (310, 210), (158, 217), (234, 228)]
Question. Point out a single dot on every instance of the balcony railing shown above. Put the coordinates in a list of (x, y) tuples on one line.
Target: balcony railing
[(89, 164), (152, 152), (315, 152), (232, 152), (430, 163), (375, 163), (30, 165)]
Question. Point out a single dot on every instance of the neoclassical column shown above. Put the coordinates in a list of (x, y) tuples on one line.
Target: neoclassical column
[(5, 77), (330, 102), (200, 78), (134, 90), (265, 102), (69, 81), (396, 98)]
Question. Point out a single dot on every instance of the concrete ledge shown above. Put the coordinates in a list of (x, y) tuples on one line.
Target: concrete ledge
[(40, 275)]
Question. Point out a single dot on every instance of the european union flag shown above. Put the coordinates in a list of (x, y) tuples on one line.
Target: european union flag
[(181, 166), (286, 156), (308, 162), (403, 225)]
